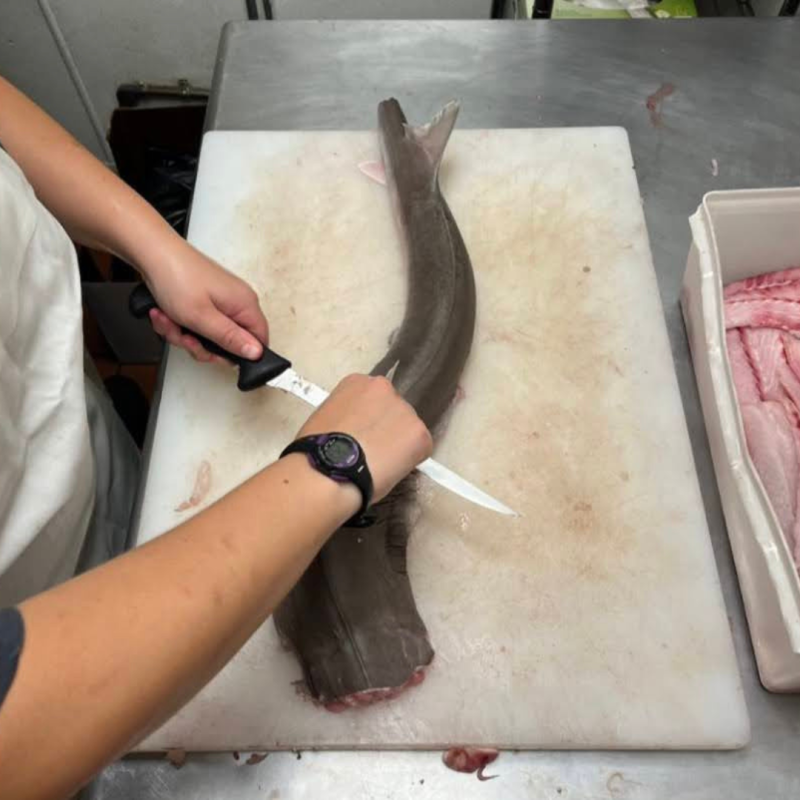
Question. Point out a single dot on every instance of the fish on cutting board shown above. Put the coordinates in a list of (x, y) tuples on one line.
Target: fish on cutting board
[(352, 620), (512, 668), (762, 322)]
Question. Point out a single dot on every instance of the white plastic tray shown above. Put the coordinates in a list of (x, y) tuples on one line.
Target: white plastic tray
[(737, 234)]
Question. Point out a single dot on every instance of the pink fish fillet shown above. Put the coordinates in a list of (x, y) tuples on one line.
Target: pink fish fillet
[(762, 320)]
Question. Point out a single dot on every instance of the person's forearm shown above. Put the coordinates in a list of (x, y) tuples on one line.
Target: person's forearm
[(93, 204), (112, 654)]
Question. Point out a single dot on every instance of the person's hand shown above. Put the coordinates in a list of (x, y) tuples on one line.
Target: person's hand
[(393, 437), (199, 294)]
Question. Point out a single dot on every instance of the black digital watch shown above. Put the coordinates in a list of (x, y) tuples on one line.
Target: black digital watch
[(339, 457)]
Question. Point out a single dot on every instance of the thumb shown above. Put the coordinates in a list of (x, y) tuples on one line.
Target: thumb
[(229, 335), (242, 307), (252, 319)]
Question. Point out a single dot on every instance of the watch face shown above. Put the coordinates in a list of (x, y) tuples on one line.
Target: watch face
[(339, 452)]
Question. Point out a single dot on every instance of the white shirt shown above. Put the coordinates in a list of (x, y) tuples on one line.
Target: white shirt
[(46, 466)]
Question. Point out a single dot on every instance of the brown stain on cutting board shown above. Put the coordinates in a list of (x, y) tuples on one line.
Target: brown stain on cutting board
[(310, 256), (558, 436), (281, 239), (561, 337)]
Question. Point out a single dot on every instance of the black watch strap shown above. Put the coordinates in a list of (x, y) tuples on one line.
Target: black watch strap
[(339, 457)]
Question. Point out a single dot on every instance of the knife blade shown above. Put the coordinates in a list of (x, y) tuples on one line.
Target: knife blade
[(275, 371), (292, 383)]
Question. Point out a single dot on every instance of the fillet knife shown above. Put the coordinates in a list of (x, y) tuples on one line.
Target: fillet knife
[(275, 371)]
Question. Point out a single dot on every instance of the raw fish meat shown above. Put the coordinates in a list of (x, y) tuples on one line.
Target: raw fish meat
[(762, 322)]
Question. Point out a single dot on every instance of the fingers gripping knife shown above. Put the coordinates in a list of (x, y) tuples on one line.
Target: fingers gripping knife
[(252, 374)]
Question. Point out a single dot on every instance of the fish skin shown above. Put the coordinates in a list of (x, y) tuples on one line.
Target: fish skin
[(352, 620), (435, 337)]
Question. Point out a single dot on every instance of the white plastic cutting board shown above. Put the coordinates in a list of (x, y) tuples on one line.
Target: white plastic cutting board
[(593, 620)]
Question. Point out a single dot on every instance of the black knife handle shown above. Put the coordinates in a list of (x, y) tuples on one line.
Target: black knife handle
[(252, 374)]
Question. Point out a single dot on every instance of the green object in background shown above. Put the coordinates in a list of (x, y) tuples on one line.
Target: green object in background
[(568, 9), (620, 9), (675, 8)]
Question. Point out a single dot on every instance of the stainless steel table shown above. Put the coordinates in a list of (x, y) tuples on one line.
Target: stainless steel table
[(736, 105)]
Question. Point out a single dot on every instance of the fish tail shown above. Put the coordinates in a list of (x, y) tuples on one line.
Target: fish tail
[(431, 138)]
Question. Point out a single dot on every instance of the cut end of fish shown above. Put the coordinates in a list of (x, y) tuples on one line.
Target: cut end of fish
[(372, 696)]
